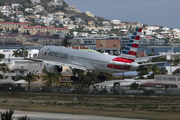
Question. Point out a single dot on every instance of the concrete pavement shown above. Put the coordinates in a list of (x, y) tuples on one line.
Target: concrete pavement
[(61, 116)]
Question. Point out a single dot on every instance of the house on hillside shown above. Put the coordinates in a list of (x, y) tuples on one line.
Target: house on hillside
[(38, 8), (116, 22), (16, 5), (35, 1)]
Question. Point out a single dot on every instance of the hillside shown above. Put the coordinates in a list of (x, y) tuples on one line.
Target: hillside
[(72, 13)]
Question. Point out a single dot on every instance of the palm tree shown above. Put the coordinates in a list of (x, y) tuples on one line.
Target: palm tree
[(19, 52), (30, 77), (152, 50), (4, 68), (24, 118), (51, 78), (8, 115), (66, 41), (134, 86)]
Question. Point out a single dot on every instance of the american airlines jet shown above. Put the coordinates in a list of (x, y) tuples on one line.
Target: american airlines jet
[(55, 57)]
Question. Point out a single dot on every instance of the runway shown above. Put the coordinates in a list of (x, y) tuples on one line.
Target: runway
[(61, 116)]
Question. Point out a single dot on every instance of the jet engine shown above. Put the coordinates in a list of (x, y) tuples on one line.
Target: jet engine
[(53, 68), (134, 66)]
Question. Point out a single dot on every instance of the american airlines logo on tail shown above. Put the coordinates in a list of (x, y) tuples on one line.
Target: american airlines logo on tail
[(131, 47), (126, 59)]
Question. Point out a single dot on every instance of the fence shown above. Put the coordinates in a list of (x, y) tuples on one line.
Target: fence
[(172, 91), (12, 88), (111, 90)]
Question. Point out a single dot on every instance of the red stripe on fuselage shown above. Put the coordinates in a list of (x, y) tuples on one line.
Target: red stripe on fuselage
[(119, 59), (132, 53), (118, 67), (134, 45), (140, 29), (137, 38)]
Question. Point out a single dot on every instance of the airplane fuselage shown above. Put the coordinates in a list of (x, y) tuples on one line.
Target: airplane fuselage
[(90, 60)]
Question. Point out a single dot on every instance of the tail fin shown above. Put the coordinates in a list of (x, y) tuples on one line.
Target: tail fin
[(131, 47)]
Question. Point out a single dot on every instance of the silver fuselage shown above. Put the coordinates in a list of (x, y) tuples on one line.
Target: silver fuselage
[(90, 60)]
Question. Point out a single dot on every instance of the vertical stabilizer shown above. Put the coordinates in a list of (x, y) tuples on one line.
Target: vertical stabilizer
[(131, 47)]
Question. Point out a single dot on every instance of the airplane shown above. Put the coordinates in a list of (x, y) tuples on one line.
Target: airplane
[(57, 56)]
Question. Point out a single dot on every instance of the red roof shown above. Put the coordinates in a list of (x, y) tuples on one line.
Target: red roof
[(44, 27), (50, 27), (28, 27), (150, 37), (18, 11)]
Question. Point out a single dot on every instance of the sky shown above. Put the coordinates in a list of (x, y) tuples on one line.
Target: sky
[(152, 12)]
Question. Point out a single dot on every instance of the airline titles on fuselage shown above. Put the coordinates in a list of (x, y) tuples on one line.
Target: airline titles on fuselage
[(58, 54)]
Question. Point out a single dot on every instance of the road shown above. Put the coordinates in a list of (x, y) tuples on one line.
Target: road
[(61, 116)]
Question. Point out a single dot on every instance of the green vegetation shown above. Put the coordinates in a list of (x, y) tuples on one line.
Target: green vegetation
[(19, 52), (134, 86), (4, 68), (23, 118), (8, 115), (51, 78), (30, 77), (162, 107)]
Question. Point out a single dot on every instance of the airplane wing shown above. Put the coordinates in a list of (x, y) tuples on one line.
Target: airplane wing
[(152, 63), (142, 59), (32, 59), (71, 64)]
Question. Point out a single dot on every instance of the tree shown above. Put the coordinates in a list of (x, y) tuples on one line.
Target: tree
[(51, 78), (66, 41), (19, 52), (4, 68), (24, 118), (30, 77), (155, 71), (72, 18), (114, 86), (8, 115), (134, 86), (152, 50), (142, 70), (2, 56), (163, 70)]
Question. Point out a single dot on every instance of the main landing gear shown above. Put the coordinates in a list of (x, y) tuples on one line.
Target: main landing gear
[(74, 79)]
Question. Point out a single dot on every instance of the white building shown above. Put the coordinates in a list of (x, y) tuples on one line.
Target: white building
[(16, 5), (5, 8), (171, 81), (116, 22), (165, 29), (107, 23), (35, 1)]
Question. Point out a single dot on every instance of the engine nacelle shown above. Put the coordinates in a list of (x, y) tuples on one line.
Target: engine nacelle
[(134, 66), (53, 68)]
